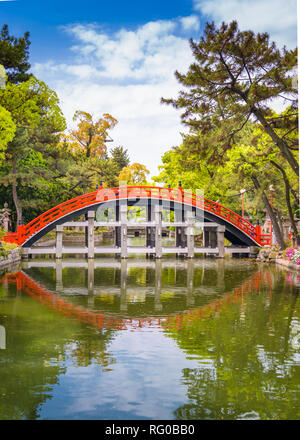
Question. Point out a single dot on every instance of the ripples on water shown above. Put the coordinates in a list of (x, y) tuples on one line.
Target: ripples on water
[(149, 339)]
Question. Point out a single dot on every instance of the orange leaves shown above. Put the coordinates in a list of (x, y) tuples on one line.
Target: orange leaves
[(89, 137)]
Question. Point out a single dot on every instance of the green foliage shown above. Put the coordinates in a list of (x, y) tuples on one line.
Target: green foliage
[(31, 154), (14, 55), (7, 130), (135, 174), (9, 246), (2, 233), (235, 140), (32, 103), (120, 157)]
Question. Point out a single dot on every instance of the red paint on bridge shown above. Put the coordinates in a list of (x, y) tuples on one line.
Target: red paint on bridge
[(25, 232), (104, 320)]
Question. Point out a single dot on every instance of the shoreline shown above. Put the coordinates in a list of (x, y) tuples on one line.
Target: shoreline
[(14, 256), (287, 264)]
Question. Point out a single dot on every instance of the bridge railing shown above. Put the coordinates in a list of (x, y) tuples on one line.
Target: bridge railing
[(24, 232)]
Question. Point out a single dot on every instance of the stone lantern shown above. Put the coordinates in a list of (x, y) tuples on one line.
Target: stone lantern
[(5, 214)]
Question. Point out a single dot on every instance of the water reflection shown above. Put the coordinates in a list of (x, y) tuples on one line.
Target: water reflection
[(197, 339), (130, 294)]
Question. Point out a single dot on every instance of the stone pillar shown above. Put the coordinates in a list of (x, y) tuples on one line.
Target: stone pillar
[(25, 254), (58, 276), (158, 230), (190, 299), (180, 237), (253, 252), (123, 286), (190, 234), (206, 237), (213, 238), (117, 228), (150, 230), (157, 300), (179, 232), (86, 233), (59, 240), (91, 276), (210, 237), (220, 275), (220, 237), (91, 234), (123, 215)]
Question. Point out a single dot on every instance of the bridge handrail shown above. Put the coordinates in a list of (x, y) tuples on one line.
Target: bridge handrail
[(105, 194)]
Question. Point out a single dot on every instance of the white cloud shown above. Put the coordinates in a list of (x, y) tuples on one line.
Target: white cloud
[(148, 54), (277, 17), (126, 74), (191, 22)]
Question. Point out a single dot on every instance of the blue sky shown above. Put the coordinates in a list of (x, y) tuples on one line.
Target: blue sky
[(119, 57)]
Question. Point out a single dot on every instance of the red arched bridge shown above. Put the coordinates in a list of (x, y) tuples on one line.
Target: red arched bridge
[(238, 230)]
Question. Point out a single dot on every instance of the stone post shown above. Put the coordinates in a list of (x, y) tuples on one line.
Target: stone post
[(150, 230), (58, 276), (206, 237), (25, 253), (220, 275), (59, 240), (190, 299), (117, 228), (220, 238), (123, 214), (91, 234), (91, 276), (158, 230), (190, 233), (157, 300), (213, 237), (86, 233), (123, 287), (180, 237)]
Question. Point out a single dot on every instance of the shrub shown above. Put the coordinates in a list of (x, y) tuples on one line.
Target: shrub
[(293, 254)]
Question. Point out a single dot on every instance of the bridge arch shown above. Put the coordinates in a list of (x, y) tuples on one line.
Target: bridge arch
[(237, 229)]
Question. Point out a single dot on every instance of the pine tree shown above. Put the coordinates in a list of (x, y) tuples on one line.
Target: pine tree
[(233, 79), (14, 55)]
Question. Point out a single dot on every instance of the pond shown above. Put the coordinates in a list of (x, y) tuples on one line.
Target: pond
[(169, 339)]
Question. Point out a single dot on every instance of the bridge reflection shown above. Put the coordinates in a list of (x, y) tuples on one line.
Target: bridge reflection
[(200, 300)]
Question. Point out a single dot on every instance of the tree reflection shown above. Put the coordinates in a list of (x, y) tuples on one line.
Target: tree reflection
[(247, 368), (39, 342)]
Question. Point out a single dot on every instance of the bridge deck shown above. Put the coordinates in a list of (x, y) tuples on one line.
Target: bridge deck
[(39, 250)]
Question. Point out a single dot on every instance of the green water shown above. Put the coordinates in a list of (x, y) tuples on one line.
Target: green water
[(146, 339)]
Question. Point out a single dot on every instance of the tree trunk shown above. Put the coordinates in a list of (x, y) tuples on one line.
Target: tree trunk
[(15, 195), (277, 141), (279, 216), (291, 216), (288, 202), (295, 195), (271, 214)]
